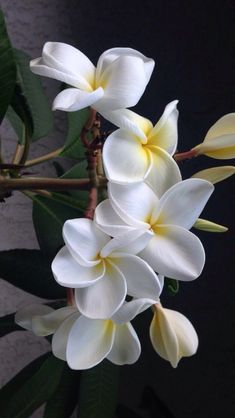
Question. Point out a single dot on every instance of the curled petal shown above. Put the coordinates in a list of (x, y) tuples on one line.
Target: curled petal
[(104, 298), (69, 273), (84, 240), (125, 160), (126, 346), (24, 316), (221, 148), (142, 281), (172, 335), (60, 338), (182, 203), (223, 126), (108, 220), (47, 324), (89, 342), (133, 203), (175, 252), (131, 242), (72, 99), (215, 174), (163, 171), (129, 310), (165, 133)]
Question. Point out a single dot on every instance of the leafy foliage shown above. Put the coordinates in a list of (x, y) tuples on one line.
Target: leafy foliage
[(7, 69), (98, 391), (73, 147), (30, 270)]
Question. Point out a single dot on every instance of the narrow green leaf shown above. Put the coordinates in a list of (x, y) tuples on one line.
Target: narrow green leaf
[(64, 400), (16, 123), (7, 69), (172, 286), (49, 217), (19, 380), (76, 172), (35, 391), (30, 270), (8, 325), (73, 147), (98, 391)]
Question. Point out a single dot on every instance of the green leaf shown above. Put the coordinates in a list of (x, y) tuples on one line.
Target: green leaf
[(73, 146), (35, 110), (48, 218), (16, 123), (172, 286), (19, 380), (30, 270), (7, 69), (78, 171), (98, 391), (64, 399), (35, 391), (8, 325)]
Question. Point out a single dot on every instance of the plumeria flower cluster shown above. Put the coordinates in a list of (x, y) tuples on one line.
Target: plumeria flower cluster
[(115, 264)]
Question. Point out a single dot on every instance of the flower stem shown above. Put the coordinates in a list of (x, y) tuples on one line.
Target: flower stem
[(33, 183), (185, 155), (43, 158), (70, 296)]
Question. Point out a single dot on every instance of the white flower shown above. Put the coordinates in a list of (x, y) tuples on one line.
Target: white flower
[(103, 270), (172, 251), (172, 335), (118, 81), (219, 142), (85, 342), (138, 151)]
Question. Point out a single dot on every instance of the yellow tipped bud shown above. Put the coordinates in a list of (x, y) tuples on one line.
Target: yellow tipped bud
[(216, 174), (209, 226)]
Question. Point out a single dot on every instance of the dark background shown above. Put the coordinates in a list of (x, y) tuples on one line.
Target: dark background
[(193, 44)]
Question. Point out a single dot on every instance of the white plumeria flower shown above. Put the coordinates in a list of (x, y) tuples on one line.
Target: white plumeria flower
[(140, 151), (219, 142), (85, 342), (103, 270), (172, 335), (118, 81), (172, 251)]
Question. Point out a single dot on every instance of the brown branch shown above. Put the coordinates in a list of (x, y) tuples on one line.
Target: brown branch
[(31, 183), (87, 127), (44, 158)]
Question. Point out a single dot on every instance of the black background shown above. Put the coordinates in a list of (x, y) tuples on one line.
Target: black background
[(193, 44)]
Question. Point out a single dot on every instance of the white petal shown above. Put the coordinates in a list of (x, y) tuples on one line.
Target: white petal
[(129, 310), (84, 240), (165, 133), (24, 316), (69, 273), (215, 174), (175, 252), (142, 281), (131, 122), (89, 342), (124, 81), (221, 148), (109, 221), (133, 203), (112, 54), (125, 159), (126, 346), (60, 338), (72, 99), (163, 171), (68, 60), (182, 204), (131, 242), (47, 324), (223, 126), (105, 297), (172, 335)]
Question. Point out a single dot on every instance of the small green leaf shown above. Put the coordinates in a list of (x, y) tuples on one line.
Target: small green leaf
[(30, 270), (16, 123), (7, 69), (172, 286), (35, 391), (48, 218), (78, 171), (64, 399), (19, 380), (8, 325), (73, 146), (98, 391)]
